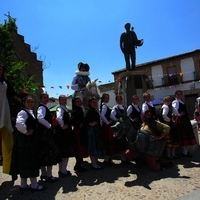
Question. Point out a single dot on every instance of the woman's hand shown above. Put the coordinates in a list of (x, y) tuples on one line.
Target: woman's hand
[(93, 123), (29, 132), (66, 126), (155, 137)]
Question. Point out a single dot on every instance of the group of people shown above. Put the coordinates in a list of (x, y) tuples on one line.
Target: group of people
[(39, 144)]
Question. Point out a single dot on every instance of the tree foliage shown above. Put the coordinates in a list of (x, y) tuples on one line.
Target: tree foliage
[(15, 68)]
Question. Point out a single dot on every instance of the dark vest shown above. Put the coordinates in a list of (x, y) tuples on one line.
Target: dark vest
[(153, 110), (169, 115), (48, 116), (30, 121), (135, 113), (181, 108), (66, 117), (120, 111), (107, 115)]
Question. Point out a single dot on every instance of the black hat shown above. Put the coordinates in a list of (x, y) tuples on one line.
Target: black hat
[(80, 65)]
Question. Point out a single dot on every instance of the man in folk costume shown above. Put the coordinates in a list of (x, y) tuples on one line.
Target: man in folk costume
[(81, 79)]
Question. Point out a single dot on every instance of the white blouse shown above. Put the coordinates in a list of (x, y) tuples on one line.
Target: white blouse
[(21, 120)]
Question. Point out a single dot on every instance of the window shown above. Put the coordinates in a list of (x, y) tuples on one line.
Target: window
[(172, 76)]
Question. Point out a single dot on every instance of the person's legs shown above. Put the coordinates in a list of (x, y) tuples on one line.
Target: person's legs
[(49, 171), (35, 186), (133, 59), (34, 182), (127, 60), (7, 144), (23, 183), (43, 171), (64, 165)]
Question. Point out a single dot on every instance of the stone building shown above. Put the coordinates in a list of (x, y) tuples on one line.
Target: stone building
[(35, 67)]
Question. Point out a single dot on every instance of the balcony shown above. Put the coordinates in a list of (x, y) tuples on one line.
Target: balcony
[(172, 80)]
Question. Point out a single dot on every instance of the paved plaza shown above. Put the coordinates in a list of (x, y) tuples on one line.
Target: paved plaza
[(121, 182)]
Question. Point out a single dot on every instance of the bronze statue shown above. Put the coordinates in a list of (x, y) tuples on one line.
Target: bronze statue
[(128, 43)]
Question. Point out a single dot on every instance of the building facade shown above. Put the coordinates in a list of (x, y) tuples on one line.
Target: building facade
[(163, 77)]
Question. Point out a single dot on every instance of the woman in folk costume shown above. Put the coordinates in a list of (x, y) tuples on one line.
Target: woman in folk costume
[(115, 114), (134, 112), (6, 128), (81, 79), (96, 146), (66, 142), (25, 149), (78, 122), (172, 138), (48, 151), (110, 142), (183, 124), (147, 105)]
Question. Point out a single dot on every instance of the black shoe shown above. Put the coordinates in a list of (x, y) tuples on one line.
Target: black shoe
[(14, 177), (79, 168), (96, 168), (43, 178), (169, 157), (125, 162), (175, 157), (21, 189), (110, 162), (166, 165), (38, 188), (186, 155), (62, 175), (51, 179)]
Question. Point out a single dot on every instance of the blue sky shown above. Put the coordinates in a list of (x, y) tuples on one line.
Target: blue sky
[(67, 32)]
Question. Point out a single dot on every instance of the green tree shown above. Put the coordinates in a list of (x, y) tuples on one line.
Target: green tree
[(15, 69)]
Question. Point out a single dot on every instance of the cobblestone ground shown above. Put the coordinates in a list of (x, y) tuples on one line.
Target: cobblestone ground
[(121, 182)]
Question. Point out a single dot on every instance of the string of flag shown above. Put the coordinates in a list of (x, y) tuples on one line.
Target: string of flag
[(168, 75)]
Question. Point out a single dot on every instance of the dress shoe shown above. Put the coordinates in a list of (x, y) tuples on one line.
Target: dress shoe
[(175, 157), (169, 157), (186, 155), (96, 168), (39, 188), (110, 162), (79, 168), (125, 162), (14, 177), (51, 179), (43, 178), (22, 189), (62, 175)]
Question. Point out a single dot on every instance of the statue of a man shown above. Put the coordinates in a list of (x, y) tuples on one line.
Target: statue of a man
[(128, 43)]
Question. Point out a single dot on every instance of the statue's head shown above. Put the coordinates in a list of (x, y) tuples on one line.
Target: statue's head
[(84, 67), (127, 26)]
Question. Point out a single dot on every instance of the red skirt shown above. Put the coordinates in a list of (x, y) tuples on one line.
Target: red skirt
[(110, 142), (81, 149)]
